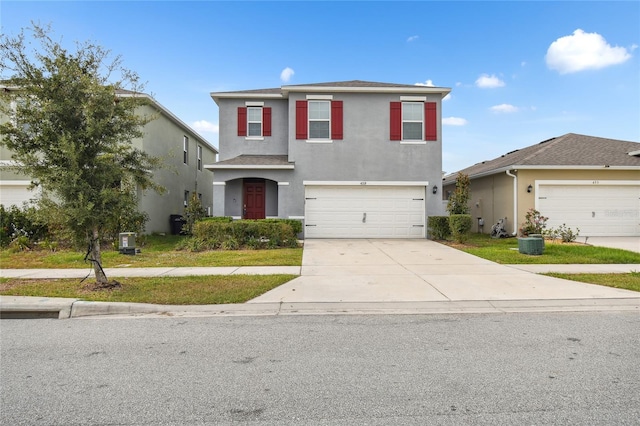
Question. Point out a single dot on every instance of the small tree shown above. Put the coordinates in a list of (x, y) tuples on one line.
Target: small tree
[(193, 213), (71, 132), (459, 200)]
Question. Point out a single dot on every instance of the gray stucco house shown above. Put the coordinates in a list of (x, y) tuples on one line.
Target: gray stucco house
[(351, 159), (183, 151)]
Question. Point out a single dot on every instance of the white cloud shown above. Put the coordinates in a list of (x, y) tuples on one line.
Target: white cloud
[(454, 121), (582, 51), (428, 83), (413, 38), (204, 126), (486, 81), (504, 108), (286, 74)]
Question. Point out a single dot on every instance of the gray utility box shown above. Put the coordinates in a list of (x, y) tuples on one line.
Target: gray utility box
[(531, 245), (127, 243)]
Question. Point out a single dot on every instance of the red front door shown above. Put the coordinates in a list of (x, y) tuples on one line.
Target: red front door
[(253, 203)]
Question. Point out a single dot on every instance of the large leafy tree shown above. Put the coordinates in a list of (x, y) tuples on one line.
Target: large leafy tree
[(71, 129)]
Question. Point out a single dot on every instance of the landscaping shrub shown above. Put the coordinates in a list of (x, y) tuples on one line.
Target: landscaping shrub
[(438, 227), (225, 219), (563, 233), (253, 234), (459, 200), (460, 225), (534, 223), (21, 226), (295, 224)]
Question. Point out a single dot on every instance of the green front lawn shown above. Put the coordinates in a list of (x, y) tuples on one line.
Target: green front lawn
[(157, 251), (201, 290), (505, 251)]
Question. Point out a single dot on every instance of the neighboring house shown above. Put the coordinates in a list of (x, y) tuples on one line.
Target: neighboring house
[(352, 159), (183, 151), (581, 181)]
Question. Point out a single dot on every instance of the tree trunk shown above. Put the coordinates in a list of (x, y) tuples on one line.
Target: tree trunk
[(101, 278)]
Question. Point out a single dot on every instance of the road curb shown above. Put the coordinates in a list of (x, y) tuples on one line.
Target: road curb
[(84, 309)]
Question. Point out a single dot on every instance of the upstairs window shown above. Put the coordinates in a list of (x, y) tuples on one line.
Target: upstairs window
[(199, 154), (413, 121), (254, 121), (185, 150), (319, 120)]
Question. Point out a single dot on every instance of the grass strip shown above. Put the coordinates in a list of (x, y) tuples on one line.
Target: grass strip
[(630, 281), (192, 290)]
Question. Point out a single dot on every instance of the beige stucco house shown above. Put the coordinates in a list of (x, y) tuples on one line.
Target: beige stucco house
[(183, 151), (585, 182)]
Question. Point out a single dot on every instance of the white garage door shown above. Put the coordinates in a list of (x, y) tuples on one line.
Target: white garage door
[(16, 192), (596, 209), (364, 212)]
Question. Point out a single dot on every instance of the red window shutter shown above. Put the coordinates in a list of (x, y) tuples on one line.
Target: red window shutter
[(430, 122), (336, 120), (266, 121), (301, 120), (395, 121), (242, 121)]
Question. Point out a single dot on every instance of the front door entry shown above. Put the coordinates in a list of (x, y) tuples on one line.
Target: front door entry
[(253, 199)]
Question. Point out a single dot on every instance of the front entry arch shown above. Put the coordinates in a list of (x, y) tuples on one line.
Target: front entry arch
[(253, 199)]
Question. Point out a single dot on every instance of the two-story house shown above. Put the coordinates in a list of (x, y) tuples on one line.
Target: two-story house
[(351, 159), (184, 153)]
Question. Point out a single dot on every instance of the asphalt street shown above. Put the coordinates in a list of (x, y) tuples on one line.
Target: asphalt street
[(476, 369)]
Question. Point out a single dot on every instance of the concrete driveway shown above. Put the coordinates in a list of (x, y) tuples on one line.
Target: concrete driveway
[(624, 243), (417, 271)]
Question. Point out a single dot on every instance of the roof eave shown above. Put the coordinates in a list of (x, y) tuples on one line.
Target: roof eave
[(371, 89), (533, 167), (248, 167)]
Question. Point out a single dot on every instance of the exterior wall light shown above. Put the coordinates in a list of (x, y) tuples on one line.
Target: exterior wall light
[(529, 188), (435, 189)]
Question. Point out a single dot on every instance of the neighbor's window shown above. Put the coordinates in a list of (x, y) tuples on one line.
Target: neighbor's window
[(254, 121), (186, 198), (319, 119), (185, 150), (199, 152), (412, 120)]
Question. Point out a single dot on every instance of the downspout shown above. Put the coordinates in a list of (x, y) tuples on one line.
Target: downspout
[(515, 201)]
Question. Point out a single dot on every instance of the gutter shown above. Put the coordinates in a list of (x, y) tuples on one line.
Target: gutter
[(515, 200)]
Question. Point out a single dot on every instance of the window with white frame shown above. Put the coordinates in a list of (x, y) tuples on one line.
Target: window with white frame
[(412, 120), (186, 198), (199, 154), (319, 119), (254, 121), (185, 150)]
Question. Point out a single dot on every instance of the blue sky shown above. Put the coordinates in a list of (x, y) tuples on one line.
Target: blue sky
[(520, 72)]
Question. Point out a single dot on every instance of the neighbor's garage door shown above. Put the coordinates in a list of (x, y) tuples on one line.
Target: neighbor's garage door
[(364, 211), (15, 193), (596, 209)]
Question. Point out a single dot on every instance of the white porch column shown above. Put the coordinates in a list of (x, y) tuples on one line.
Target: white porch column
[(218, 198), (283, 196)]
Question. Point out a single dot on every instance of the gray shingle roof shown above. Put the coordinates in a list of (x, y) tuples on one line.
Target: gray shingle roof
[(568, 150), (335, 84), (256, 160)]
